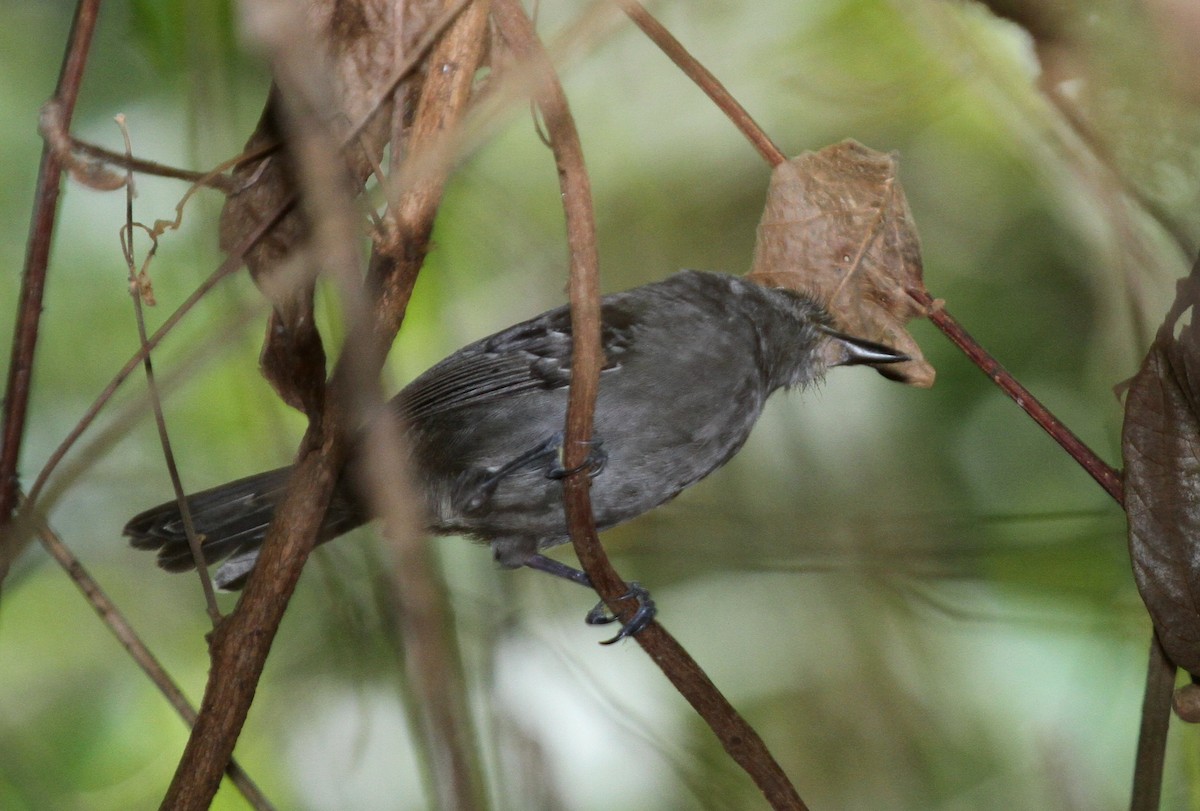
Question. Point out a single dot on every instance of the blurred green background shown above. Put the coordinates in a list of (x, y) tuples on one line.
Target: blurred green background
[(915, 597)]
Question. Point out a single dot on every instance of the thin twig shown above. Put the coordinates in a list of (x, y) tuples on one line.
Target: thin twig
[(138, 651), (231, 264), (704, 79), (135, 294), (424, 623), (209, 179), (415, 57), (1104, 474), (33, 280), (739, 739), (1099, 470), (241, 644)]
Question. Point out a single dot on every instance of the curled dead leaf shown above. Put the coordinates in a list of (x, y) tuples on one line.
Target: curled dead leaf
[(837, 227), (1160, 441), (342, 56)]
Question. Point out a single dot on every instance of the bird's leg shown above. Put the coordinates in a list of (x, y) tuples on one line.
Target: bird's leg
[(551, 566), (600, 615), (596, 459), (478, 485)]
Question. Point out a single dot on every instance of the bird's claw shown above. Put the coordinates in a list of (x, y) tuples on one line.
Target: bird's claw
[(642, 617)]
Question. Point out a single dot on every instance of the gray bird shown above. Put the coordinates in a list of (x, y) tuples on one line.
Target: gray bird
[(689, 363)]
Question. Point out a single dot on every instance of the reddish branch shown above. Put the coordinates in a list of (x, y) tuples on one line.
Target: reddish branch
[(123, 631), (1152, 734), (737, 737), (1105, 475), (1097, 468), (703, 78), (37, 257), (241, 644), (584, 292)]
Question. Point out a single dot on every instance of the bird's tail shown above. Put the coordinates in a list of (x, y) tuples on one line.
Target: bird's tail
[(232, 520)]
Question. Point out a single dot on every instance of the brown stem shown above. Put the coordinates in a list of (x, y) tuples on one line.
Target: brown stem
[(584, 293), (424, 621), (208, 179), (1152, 736), (241, 644), (704, 78), (160, 420), (37, 258), (1097, 468), (230, 265), (112, 617), (738, 738)]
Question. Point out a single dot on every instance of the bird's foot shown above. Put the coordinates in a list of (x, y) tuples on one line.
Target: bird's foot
[(642, 617)]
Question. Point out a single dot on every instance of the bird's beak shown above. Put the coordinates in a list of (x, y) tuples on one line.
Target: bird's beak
[(846, 350)]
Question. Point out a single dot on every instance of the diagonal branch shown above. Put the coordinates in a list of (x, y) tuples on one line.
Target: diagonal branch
[(738, 738), (240, 646), (138, 651), (704, 79), (1104, 474)]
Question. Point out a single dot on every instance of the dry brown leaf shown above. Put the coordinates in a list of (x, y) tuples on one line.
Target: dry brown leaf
[(361, 42), (1161, 444), (836, 226)]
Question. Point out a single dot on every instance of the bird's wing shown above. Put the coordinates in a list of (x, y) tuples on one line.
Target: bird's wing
[(531, 356)]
